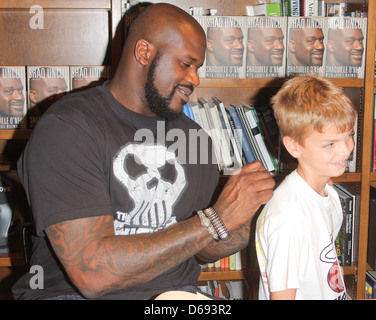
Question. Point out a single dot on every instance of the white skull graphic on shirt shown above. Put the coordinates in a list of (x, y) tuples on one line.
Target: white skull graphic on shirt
[(154, 180)]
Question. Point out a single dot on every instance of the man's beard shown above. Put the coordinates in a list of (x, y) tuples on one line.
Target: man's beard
[(156, 102)]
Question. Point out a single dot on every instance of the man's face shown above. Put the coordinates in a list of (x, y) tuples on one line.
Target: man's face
[(172, 75), (348, 47), (268, 47), (309, 47), (12, 100), (227, 46), (158, 104), (43, 89)]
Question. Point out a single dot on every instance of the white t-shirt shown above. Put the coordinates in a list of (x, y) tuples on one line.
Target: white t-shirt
[(295, 235)]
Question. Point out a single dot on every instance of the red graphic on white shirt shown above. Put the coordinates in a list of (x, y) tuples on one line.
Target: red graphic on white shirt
[(334, 278)]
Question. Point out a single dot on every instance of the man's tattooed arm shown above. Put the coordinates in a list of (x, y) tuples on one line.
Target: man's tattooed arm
[(99, 262)]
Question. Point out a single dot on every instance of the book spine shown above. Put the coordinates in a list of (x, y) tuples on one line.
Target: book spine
[(295, 8), (374, 135), (286, 8), (268, 153), (266, 157), (250, 157), (249, 134)]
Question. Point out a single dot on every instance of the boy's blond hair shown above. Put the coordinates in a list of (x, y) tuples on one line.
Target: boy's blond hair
[(308, 103)]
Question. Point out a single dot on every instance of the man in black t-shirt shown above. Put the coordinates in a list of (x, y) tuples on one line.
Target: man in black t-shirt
[(119, 185)]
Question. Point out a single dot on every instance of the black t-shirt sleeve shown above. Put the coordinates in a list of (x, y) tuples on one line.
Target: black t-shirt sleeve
[(63, 173)]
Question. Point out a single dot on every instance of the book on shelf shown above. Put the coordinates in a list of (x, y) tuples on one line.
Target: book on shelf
[(373, 162), (266, 156), (351, 162), (371, 284), (188, 111), (345, 242), (13, 209), (229, 137), (233, 262), (202, 21), (309, 8), (237, 132), (345, 47), (305, 46), (46, 84), (265, 47), (88, 76), (294, 8), (13, 106), (267, 9), (241, 133), (371, 250), (335, 9), (313, 8), (210, 113), (235, 290), (225, 49)]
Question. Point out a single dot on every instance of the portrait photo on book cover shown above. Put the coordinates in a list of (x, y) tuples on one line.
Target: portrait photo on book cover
[(225, 47), (265, 47)]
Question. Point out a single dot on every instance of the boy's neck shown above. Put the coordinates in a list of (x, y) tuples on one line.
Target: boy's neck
[(317, 183)]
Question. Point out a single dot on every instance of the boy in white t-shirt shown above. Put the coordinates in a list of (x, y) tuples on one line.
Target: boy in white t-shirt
[(296, 230)]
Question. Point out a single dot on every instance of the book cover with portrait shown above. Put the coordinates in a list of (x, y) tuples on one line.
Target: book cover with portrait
[(345, 47), (12, 98), (305, 46), (83, 77), (202, 21), (265, 47), (46, 84), (225, 47)]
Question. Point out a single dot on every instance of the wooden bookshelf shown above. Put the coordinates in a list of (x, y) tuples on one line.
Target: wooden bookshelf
[(110, 38)]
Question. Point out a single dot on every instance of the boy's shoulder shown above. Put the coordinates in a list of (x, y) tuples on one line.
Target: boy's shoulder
[(289, 199)]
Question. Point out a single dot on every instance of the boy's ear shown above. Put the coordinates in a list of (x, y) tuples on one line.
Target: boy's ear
[(291, 146), (143, 51)]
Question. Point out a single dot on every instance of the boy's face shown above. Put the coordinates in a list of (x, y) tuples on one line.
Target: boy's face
[(324, 154)]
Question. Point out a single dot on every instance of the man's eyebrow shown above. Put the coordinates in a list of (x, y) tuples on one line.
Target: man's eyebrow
[(188, 56)]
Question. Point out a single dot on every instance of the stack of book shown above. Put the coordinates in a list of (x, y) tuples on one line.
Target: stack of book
[(279, 46), (32, 89), (236, 131)]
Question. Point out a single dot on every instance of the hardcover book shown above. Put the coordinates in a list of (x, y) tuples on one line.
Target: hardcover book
[(88, 76), (240, 130), (46, 84), (225, 49), (202, 21), (12, 97), (346, 234), (345, 48), (229, 139), (305, 46), (265, 47)]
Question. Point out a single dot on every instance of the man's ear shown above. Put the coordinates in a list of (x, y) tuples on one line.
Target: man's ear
[(330, 46), (291, 146), (209, 45), (143, 51), (251, 45), (33, 95), (291, 45)]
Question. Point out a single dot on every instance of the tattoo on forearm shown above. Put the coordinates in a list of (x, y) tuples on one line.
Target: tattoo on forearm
[(89, 245)]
